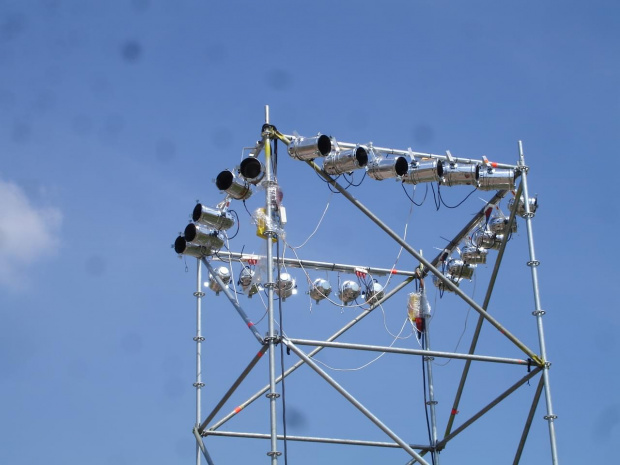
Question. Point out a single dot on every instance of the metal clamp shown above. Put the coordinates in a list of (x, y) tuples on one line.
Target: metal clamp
[(269, 285), (538, 312), (272, 395), (428, 358), (274, 452), (432, 402), (528, 215), (198, 385), (533, 263), (199, 339), (550, 417), (199, 294)]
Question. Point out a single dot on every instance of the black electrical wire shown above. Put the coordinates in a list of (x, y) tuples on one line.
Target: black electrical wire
[(282, 359), (411, 198), (437, 203), (351, 183), (458, 204), (428, 423), (238, 225), (246, 209)]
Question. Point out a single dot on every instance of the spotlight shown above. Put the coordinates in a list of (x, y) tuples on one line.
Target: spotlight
[(442, 286), (182, 246), (237, 188), (521, 206), (223, 273), (344, 162), (499, 225), (217, 219), (349, 291), (285, 286), (460, 269), (252, 170), (489, 240), (424, 171), (310, 148), (384, 168), (320, 289), (375, 293), (455, 175), (245, 280), (494, 179), (474, 255), (199, 234)]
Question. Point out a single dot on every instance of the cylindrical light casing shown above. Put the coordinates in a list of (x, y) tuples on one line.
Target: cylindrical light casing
[(309, 148), (224, 274), (284, 286), (496, 179), (499, 225), (202, 235), (182, 246), (384, 168), (474, 255), (424, 171), (349, 291), (252, 170), (320, 289), (217, 219), (489, 240), (439, 284), (375, 293), (521, 206), (344, 162), (237, 188), (460, 269), (245, 277), (458, 175)]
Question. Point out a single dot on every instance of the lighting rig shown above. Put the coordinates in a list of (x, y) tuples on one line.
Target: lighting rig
[(205, 236)]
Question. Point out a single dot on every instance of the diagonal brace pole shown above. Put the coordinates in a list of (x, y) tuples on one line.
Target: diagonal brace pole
[(528, 422)]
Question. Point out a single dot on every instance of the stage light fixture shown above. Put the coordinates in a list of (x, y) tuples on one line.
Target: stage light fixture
[(182, 246), (495, 179), (285, 286), (460, 175), (320, 289), (460, 269), (424, 171), (533, 202), (245, 280), (489, 240), (499, 225), (349, 291), (474, 255), (237, 188), (252, 170), (224, 274), (439, 284), (217, 219), (302, 148), (384, 168), (347, 161), (375, 293), (202, 235)]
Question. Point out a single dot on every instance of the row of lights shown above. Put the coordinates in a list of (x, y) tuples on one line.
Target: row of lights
[(490, 237)]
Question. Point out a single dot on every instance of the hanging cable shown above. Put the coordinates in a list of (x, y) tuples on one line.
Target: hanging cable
[(411, 197), (458, 204), (281, 355), (428, 423)]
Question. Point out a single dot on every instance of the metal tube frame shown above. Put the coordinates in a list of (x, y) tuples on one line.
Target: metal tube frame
[(268, 343), (528, 422)]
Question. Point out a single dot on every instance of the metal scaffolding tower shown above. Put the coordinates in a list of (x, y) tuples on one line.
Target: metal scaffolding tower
[(204, 238)]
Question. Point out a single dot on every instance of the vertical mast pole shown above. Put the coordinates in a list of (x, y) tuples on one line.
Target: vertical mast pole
[(538, 312), (431, 388), (271, 339), (198, 338)]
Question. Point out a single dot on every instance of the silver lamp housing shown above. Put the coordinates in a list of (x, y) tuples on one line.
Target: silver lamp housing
[(302, 148), (385, 168), (375, 293), (183, 247), (252, 170), (199, 234), (224, 274), (237, 188), (349, 291), (533, 204), (495, 179), (424, 171), (320, 289), (246, 278), (499, 225), (346, 161), (455, 174), (285, 286), (458, 268), (439, 284), (216, 219), (489, 240), (474, 255)]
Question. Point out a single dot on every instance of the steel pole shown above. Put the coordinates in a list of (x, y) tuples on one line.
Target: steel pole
[(538, 311), (431, 388), (198, 339), (201, 446), (528, 422), (447, 283), (354, 401)]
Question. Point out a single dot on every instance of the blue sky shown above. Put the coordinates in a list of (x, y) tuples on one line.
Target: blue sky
[(116, 116)]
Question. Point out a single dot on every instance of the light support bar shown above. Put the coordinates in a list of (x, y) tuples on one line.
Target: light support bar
[(353, 401), (448, 284), (538, 311)]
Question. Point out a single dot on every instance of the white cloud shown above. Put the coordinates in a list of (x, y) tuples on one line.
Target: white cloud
[(27, 233)]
